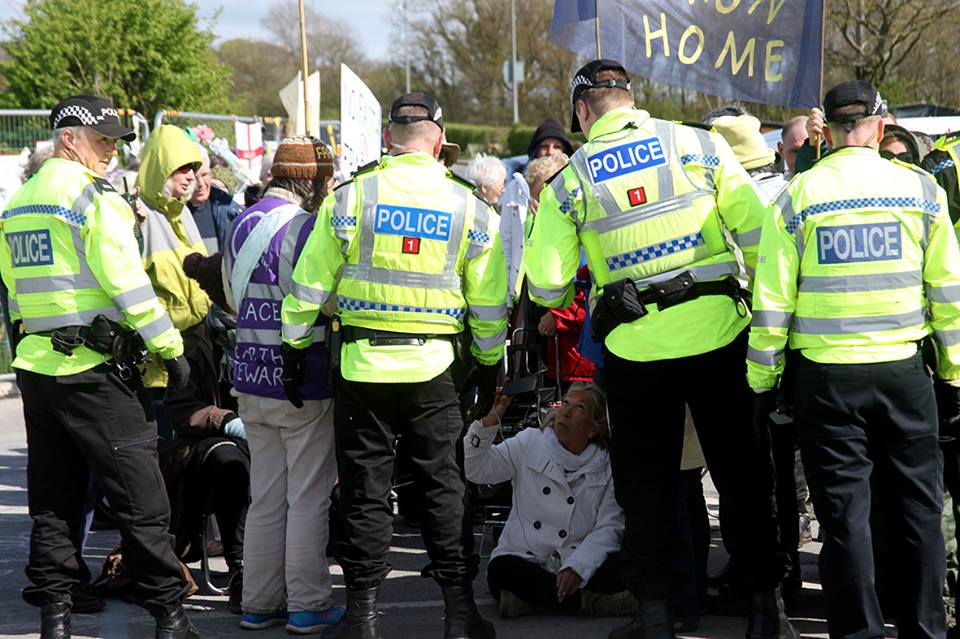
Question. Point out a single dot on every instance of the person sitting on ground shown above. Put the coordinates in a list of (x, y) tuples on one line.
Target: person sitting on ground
[(489, 174), (558, 551)]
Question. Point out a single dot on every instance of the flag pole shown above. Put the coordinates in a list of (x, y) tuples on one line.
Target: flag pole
[(596, 25), (823, 53), (303, 71)]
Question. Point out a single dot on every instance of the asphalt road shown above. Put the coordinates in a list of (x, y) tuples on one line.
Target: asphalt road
[(411, 605)]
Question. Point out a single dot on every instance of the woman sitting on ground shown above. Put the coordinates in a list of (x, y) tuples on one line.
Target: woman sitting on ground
[(558, 550)]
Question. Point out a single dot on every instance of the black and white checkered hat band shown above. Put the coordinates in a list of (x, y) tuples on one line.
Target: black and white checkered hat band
[(77, 111)]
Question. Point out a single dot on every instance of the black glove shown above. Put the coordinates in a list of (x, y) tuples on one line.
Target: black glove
[(764, 403), (16, 334), (178, 370), (485, 378), (948, 409), (294, 365)]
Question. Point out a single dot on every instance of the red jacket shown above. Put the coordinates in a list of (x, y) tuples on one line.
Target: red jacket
[(574, 367)]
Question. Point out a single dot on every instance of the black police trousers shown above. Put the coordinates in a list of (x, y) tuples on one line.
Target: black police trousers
[(93, 421), (858, 420), (367, 419), (646, 401)]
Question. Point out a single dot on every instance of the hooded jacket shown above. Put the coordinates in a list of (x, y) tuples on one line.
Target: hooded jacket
[(549, 128), (169, 234)]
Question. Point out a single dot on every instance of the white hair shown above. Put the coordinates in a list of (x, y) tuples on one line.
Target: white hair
[(58, 135), (486, 170), (167, 190)]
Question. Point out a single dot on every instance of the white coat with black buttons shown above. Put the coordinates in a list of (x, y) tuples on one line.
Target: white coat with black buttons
[(554, 521)]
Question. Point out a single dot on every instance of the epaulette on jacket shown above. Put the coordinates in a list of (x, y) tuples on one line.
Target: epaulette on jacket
[(913, 167), (695, 125), (462, 181), (103, 185), (948, 139), (365, 168)]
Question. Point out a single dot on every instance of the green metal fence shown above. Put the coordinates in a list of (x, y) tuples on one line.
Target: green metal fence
[(5, 355), (21, 128)]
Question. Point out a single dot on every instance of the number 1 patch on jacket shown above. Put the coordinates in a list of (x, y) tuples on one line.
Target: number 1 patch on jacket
[(637, 196), (411, 245)]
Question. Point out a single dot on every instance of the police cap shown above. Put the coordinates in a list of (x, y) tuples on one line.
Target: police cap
[(98, 114), (417, 99), (586, 79), (854, 92)]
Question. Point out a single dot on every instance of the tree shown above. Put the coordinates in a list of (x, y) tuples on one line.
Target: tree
[(144, 54), (460, 49), (329, 42), (260, 70), (875, 39)]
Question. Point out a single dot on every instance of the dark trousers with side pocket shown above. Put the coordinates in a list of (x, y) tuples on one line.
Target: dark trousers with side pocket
[(647, 411), (367, 419), (855, 421), (93, 421)]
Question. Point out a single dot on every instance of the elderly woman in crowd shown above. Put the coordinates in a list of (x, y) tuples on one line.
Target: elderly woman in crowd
[(558, 549), (489, 174)]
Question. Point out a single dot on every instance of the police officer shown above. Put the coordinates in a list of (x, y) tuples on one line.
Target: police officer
[(857, 265), (942, 163), (652, 203), (413, 257), (71, 263)]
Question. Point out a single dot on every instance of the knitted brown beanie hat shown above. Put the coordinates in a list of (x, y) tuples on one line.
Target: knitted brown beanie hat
[(302, 158)]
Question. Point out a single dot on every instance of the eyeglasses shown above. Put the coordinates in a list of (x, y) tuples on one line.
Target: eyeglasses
[(186, 168), (906, 156)]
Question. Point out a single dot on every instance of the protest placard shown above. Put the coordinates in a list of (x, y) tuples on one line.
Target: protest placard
[(359, 122)]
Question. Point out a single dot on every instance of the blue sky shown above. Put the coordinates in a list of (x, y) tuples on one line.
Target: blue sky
[(370, 20)]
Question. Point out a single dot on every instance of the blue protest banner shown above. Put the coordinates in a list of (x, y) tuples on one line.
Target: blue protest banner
[(767, 51)]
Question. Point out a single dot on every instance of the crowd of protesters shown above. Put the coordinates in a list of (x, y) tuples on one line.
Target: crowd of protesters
[(293, 368)]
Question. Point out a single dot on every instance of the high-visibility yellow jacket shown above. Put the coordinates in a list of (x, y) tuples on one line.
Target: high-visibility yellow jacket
[(649, 199), (169, 235), (858, 262), (68, 254), (405, 247)]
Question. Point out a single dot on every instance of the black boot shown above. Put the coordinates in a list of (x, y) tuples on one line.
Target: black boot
[(767, 618), (55, 621), (653, 622), (172, 623), (461, 619), (235, 591), (361, 621)]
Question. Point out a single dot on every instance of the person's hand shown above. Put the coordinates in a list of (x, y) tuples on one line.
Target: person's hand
[(533, 206), (567, 583), (815, 126), (140, 209), (500, 403), (948, 410), (292, 377), (485, 379), (548, 325), (178, 372), (764, 403)]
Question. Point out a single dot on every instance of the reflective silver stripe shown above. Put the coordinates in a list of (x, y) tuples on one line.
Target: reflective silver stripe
[(857, 283), (412, 279), (309, 293), (852, 325), (928, 189), (665, 188), (785, 204), (258, 336), (54, 283), (85, 199), (367, 222), (639, 214), (749, 238), (158, 235), (136, 296), (943, 294), (948, 338), (559, 186), (263, 291), (708, 148), (287, 248), (156, 328), (340, 210), (771, 319), (764, 358), (547, 293), (490, 343), (488, 313), (13, 305), (700, 273), (295, 331), (80, 318)]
